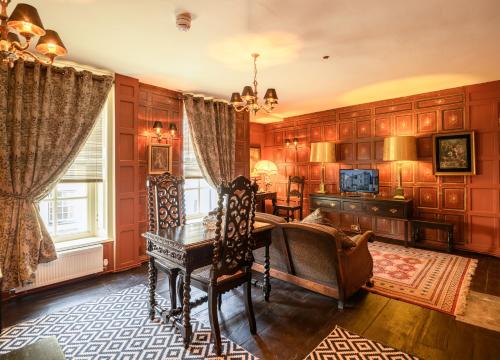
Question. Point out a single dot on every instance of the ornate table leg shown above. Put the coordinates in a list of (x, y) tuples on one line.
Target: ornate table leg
[(186, 311), (267, 279), (152, 276)]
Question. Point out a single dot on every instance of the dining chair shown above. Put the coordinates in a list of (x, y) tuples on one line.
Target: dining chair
[(294, 199), (166, 210), (232, 257)]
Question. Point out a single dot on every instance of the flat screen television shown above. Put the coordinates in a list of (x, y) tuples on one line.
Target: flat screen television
[(359, 181)]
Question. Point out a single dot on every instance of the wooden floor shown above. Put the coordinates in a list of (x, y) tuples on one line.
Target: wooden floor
[(296, 320)]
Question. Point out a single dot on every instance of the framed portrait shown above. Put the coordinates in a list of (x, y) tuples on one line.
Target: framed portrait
[(159, 158), (454, 154), (255, 155)]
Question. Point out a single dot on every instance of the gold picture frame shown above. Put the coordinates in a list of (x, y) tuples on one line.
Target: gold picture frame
[(255, 157), (159, 158), (454, 154)]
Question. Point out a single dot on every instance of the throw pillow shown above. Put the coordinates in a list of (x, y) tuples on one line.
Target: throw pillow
[(317, 217)]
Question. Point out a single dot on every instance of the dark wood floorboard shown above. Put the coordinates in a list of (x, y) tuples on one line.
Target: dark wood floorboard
[(296, 320)]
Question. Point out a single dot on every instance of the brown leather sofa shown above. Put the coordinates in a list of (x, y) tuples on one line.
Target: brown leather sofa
[(313, 257)]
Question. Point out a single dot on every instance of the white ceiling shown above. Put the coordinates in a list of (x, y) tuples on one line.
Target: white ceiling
[(378, 48)]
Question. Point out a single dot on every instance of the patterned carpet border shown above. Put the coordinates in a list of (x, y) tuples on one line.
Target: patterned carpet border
[(342, 344), (117, 327), (438, 281)]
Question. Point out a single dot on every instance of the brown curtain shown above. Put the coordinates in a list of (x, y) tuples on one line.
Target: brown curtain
[(46, 114), (212, 128)]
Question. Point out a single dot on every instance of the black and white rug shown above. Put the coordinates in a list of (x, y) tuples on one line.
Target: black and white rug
[(117, 327), (342, 344)]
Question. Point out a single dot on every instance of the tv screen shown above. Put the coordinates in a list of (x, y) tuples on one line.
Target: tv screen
[(362, 181)]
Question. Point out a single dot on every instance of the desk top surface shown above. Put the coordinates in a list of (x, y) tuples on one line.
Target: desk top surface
[(193, 235)]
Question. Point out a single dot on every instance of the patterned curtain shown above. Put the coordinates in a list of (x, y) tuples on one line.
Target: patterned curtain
[(212, 128), (46, 114)]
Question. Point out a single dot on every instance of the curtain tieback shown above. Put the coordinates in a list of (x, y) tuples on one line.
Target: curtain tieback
[(6, 195)]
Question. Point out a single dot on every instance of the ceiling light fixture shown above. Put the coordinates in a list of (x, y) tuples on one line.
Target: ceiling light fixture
[(249, 100), (26, 22)]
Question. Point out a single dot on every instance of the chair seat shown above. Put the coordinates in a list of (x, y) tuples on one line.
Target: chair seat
[(203, 275), (288, 207)]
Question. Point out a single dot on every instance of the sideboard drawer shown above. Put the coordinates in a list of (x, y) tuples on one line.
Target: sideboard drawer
[(325, 204), (386, 210), (352, 206)]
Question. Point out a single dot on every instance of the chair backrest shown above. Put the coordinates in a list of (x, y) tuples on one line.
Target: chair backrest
[(296, 191), (165, 201), (233, 239)]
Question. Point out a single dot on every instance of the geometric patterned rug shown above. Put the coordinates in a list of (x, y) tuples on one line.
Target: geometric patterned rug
[(430, 279), (342, 344), (117, 327)]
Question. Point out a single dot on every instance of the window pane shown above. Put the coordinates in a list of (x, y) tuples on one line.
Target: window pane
[(205, 200), (100, 207), (72, 216), (192, 202), (46, 214), (66, 190), (191, 183)]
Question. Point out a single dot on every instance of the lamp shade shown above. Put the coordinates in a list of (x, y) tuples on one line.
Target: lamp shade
[(26, 21), (157, 125), (265, 167), (51, 45), (248, 93), (322, 152), (271, 96), (236, 98), (400, 148)]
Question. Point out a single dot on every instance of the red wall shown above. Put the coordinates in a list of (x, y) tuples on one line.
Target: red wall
[(471, 203), (137, 107)]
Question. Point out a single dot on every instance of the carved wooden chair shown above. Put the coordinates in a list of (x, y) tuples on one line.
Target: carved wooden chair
[(232, 259), (166, 210), (294, 199)]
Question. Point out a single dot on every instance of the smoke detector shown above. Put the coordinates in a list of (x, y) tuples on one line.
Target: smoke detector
[(183, 21)]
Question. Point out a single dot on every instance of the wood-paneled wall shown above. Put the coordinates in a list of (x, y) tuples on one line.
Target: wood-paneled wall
[(138, 106), (471, 203)]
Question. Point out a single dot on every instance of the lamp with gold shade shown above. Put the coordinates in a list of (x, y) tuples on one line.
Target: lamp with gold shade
[(400, 149), (265, 168), (322, 152)]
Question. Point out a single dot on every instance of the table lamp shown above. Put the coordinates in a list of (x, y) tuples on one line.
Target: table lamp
[(266, 168), (400, 149), (322, 152)]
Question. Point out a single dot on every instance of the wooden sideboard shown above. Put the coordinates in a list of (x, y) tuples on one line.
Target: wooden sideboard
[(363, 205)]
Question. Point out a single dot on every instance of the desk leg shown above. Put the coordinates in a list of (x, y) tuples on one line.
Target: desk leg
[(406, 233), (152, 276), (186, 311), (450, 241), (267, 278)]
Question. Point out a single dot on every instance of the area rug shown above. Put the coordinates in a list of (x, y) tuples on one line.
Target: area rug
[(431, 279), (117, 327), (342, 344)]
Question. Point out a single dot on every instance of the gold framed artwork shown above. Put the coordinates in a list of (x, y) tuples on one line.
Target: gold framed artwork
[(159, 158), (454, 154), (255, 156)]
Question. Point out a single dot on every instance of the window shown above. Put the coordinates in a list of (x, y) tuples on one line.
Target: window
[(75, 208), (200, 197)]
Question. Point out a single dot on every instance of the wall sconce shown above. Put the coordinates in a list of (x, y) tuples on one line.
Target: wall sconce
[(158, 126), (173, 130)]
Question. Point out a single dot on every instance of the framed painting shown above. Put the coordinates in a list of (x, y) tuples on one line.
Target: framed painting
[(255, 156), (454, 154), (159, 158)]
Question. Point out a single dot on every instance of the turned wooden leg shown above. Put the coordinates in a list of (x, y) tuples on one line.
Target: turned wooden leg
[(267, 278), (249, 306), (214, 320), (172, 280), (370, 283), (186, 311), (180, 290), (152, 277)]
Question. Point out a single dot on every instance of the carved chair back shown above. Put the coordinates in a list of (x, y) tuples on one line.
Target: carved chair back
[(233, 242), (165, 201), (295, 189)]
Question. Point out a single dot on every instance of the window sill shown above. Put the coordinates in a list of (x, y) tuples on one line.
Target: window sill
[(80, 243)]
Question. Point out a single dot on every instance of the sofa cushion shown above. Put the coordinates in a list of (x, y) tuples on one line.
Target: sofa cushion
[(269, 218), (317, 217), (338, 234)]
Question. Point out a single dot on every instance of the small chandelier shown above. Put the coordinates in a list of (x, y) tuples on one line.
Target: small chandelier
[(26, 21), (248, 100)]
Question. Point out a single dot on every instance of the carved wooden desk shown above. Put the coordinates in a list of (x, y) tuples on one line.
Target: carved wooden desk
[(184, 249), (261, 197)]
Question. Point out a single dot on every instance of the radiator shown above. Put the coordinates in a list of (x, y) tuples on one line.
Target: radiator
[(70, 264)]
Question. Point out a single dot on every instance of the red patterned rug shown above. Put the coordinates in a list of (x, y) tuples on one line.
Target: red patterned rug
[(431, 279)]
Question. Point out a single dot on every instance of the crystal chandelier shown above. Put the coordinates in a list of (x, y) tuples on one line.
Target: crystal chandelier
[(26, 22), (248, 100)]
